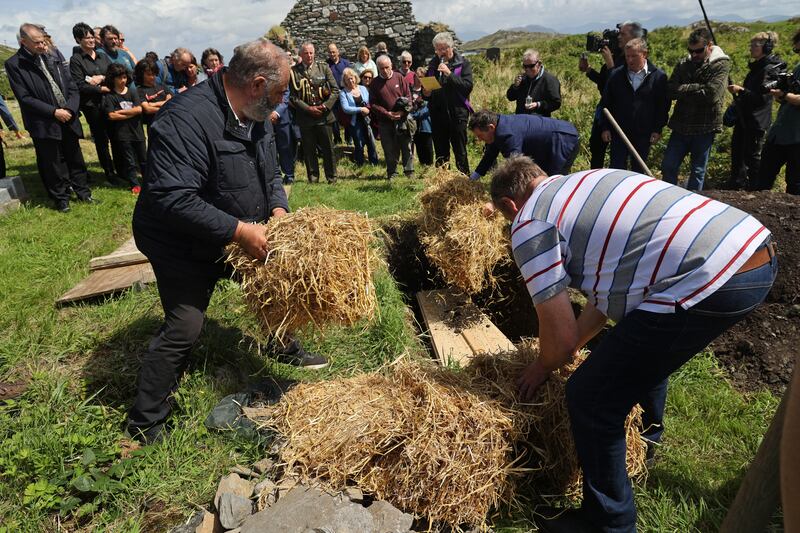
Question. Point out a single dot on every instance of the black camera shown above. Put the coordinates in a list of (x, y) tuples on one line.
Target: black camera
[(595, 43), (778, 77)]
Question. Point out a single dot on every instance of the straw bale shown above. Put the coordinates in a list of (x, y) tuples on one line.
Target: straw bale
[(449, 446), (318, 270), (457, 238)]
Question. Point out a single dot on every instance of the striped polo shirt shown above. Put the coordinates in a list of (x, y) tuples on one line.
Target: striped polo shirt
[(629, 241)]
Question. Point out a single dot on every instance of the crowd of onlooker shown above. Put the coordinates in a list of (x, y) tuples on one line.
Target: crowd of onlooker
[(421, 113)]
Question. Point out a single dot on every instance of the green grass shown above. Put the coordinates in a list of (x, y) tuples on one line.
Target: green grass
[(61, 441)]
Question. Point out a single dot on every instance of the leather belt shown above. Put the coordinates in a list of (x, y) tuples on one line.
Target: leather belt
[(760, 257)]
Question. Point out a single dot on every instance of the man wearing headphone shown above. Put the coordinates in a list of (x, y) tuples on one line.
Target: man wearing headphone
[(753, 113)]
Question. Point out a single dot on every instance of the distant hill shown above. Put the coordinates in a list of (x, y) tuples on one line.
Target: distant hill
[(534, 28), (505, 39)]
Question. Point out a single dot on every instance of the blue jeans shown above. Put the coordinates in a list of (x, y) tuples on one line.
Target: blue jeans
[(286, 144), (699, 146), (631, 365), (361, 138)]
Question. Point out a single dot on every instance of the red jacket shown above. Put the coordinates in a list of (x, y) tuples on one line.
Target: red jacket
[(384, 93)]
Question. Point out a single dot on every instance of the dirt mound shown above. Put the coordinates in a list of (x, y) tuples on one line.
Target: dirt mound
[(760, 351)]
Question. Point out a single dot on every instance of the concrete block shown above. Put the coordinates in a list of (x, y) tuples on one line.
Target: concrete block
[(15, 187), (5, 195), (11, 205)]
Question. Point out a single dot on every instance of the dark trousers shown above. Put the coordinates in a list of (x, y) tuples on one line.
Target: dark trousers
[(773, 158), (571, 159), (424, 145), (396, 145), (61, 166), (97, 125), (286, 144), (2, 161), (746, 145), (597, 147), (313, 137), (448, 133), (362, 137), (631, 365), (134, 158), (185, 300), (622, 159)]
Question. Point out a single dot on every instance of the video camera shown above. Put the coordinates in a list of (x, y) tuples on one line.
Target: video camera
[(595, 43), (609, 38), (778, 77)]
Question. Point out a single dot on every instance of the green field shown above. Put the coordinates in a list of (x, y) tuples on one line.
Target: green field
[(61, 459)]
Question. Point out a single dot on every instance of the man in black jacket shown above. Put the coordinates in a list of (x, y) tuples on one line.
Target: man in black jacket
[(535, 90), (636, 95), (449, 106), (627, 30), (49, 100), (212, 171), (88, 69)]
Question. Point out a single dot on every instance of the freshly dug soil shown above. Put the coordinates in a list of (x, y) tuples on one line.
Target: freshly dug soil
[(760, 351)]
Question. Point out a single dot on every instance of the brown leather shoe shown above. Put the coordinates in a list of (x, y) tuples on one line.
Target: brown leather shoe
[(11, 390)]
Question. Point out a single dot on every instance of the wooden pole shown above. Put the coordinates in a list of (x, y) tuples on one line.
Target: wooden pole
[(759, 494), (631, 149)]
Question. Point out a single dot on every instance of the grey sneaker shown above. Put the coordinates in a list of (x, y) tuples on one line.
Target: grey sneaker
[(294, 354)]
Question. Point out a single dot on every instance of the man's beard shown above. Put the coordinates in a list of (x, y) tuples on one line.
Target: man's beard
[(260, 110)]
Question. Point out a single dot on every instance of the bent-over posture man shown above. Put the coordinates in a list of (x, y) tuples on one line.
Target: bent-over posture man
[(672, 268), (211, 172)]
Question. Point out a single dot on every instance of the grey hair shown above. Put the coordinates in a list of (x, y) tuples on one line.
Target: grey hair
[(383, 58), (177, 54), (638, 44), (444, 38), (405, 54), (512, 177), (307, 43), (256, 58), (530, 53), (636, 28), (25, 28)]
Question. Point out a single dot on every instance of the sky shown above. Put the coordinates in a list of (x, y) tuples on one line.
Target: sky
[(162, 25)]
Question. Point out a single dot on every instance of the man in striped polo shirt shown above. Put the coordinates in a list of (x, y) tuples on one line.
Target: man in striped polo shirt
[(672, 268)]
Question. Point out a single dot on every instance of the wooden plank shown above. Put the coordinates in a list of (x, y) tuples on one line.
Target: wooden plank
[(108, 281), (127, 254), (458, 329)]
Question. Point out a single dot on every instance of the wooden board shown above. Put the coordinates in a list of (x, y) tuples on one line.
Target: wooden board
[(458, 329), (108, 281), (127, 254)]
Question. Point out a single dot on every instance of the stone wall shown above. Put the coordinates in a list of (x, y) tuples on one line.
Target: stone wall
[(353, 23), (350, 24)]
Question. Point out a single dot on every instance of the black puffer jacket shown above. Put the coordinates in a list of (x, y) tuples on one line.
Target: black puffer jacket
[(204, 174), (753, 106), (451, 102)]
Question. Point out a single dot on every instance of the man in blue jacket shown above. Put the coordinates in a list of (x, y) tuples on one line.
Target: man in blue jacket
[(637, 97), (211, 173), (285, 137), (551, 143), (49, 100)]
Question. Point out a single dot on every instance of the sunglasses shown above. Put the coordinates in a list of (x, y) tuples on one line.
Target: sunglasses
[(532, 65), (696, 50)]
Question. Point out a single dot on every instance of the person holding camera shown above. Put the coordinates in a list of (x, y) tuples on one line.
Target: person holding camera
[(698, 85), (390, 99), (752, 107), (636, 96), (535, 90), (611, 48), (313, 91), (782, 146)]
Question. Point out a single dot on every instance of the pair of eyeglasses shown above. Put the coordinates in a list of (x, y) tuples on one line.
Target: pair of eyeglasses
[(532, 65), (696, 50)]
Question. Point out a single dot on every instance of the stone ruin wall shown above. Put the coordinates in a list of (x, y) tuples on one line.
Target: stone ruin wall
[(353, 23)]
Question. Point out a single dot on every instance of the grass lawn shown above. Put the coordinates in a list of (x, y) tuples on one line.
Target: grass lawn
[(61, 458)]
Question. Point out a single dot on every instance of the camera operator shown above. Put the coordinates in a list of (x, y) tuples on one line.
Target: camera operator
[(783, 139), (753, 109), (535, 90), (611, 58)]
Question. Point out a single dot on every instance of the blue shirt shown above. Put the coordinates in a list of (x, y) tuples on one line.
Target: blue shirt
[(338, 69)]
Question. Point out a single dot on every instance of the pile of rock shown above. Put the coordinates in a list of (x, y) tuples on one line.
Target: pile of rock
[(12, 192), (255, 500)]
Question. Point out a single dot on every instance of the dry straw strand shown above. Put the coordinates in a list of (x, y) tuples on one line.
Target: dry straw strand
[(318, 270), (463, 244)]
